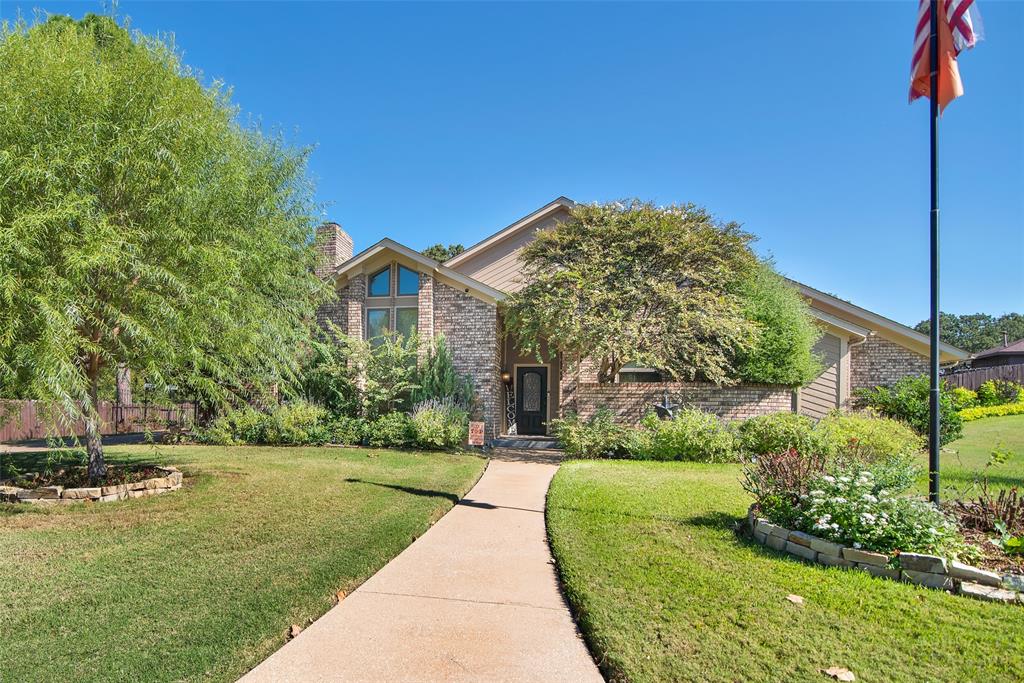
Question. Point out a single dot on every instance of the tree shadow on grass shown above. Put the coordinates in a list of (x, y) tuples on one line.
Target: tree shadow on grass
[(429, 493)]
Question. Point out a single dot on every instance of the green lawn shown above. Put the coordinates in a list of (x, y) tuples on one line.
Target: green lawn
[(962, 458), (666, 591), (203, 583)]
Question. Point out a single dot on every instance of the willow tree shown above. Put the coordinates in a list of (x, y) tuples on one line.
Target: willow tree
[(140, 224)]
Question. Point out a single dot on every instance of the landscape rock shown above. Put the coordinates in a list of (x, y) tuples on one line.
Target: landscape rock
[(923, 563), (800, 538), (834, 561), (800, 551), (824, 547), (865, 557), (81, 493), (980, 592), (959, 570), (928, 579)]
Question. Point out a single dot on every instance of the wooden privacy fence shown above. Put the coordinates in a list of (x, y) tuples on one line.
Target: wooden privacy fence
[(23, 420), (974, 378)]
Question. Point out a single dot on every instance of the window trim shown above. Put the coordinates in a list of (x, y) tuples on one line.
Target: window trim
[(373, 276)]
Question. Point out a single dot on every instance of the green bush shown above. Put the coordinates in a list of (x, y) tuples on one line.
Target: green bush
[(439, 425), (907, 401), (980, 412), (295, 424), (596, 437), (393, 430), (777, 433), (998, 392), (347, 431), (690, 435), (963, 398)]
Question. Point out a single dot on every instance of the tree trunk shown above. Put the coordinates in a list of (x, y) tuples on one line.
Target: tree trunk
[(93, 439)]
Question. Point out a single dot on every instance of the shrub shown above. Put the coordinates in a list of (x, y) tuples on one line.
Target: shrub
[(963, 398), (852, 509), (348, 431), (980, 412), (997, 392), (437, 378), (777, 433), (393, 430), (596, 437), (779, 481), (294, 424), (907, 401), (439, 425), (690, 435)]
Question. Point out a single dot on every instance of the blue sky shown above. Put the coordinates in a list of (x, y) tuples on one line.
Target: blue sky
[(445, 122)]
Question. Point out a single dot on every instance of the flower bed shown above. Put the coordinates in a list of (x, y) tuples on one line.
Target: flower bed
[(168, 479), (930, 571)]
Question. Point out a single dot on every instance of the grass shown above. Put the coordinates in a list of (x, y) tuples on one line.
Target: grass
[(963, 458), (203, 583), (666, 591)]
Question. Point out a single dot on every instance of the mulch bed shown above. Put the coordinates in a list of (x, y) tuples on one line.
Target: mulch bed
[(75, 477)]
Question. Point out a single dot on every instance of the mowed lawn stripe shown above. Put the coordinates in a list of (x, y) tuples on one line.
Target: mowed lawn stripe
[(204, 582), (665, 591)]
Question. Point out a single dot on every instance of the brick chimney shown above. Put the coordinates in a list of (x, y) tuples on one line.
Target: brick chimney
[(333, 246)]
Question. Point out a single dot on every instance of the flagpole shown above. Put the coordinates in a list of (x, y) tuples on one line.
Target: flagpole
[(933, 403)]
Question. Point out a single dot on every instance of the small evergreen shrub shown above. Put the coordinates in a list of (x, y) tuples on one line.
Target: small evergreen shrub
[(777, 433), (998, 392), (347, 431), (393, 430), (690, 435), (439, 425), (907, 401), (596, 437)]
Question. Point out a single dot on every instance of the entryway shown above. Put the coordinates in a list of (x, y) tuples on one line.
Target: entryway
[(531, 399)]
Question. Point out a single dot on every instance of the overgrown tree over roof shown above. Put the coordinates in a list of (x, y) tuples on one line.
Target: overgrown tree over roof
[(140, 223), (664, 287)]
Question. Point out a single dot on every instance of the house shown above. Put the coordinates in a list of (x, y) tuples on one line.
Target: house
[(389, 286), (1008, 353)]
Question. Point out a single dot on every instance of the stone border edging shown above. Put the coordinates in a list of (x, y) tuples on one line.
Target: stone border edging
[(929, 571), (52, 495)]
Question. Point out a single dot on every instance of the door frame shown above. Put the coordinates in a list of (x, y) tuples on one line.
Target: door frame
[(547, 389)]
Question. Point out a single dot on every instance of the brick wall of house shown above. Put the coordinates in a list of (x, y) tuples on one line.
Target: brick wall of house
[(470, 327), (629, 402), (879, 361)]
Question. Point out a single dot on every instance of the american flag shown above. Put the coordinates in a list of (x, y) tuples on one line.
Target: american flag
[(959, 30)]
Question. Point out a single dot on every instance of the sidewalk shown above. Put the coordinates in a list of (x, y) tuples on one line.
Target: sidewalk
[(474, 599)]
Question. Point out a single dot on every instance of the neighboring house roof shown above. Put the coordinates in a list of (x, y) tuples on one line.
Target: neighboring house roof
[(425, 264), (1013, 348), (828, 309)]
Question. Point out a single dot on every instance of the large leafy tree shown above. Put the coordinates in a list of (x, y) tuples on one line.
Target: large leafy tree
[(140, 225), (976, 332), (633, 282), (664, 287)]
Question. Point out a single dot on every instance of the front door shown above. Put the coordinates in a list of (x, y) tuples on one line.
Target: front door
[(531, 400)]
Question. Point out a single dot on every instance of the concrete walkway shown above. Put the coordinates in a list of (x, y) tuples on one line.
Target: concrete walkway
[(474, 599)]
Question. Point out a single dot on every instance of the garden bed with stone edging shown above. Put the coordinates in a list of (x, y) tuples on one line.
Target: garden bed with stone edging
[(923, 570), (171, 481)]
